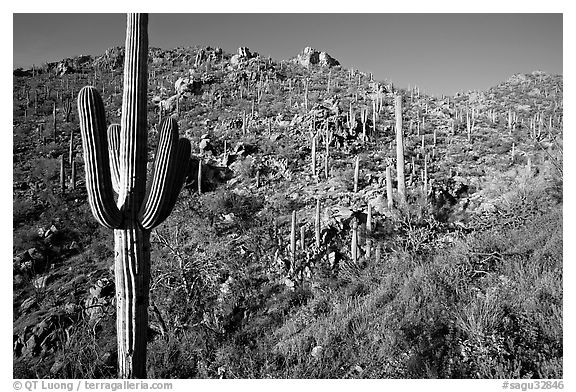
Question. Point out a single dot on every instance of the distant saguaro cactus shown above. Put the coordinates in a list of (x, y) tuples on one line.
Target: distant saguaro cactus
[(137, 211), (54, 120), (373, 117), (306, 82), (199, 177), (71, 147), (369, 231), (73, 176), (317, 224), (313, 141), (293, 240), (356, 173), (62, 174), (364, 117), (67, 110), (400, 150), (354, 244)]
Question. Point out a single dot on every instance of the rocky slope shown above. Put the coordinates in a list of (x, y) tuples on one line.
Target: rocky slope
[(222, 271)]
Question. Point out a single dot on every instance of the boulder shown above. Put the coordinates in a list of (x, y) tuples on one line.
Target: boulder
[(169, 104), (317, 352), (188, 85), (19, 72), (205, 146)]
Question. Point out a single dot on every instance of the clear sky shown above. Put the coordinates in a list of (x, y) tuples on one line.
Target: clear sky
[(441, 53)]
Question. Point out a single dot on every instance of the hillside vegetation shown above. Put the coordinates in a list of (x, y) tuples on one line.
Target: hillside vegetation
[(464, 280)]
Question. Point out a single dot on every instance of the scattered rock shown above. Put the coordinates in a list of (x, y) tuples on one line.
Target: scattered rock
[(205, 145), (317, 352), (99, 299), (17, 280), (289, 283), (57, 366), (40, 282), (27, 304), (332, 259)]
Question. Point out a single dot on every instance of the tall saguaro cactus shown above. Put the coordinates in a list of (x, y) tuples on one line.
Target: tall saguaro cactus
[(400, 150), (116, 162)]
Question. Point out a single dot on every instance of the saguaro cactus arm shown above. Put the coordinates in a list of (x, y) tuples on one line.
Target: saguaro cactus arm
[(159, 201), (114, 155), (183, 157), (97, 166)]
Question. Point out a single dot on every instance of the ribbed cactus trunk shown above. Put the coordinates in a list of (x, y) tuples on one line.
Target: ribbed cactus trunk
[(132, 244), (400, 150), (132, 273), (115, 161)]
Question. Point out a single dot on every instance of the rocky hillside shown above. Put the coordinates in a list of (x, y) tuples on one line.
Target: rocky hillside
[(462, 281)]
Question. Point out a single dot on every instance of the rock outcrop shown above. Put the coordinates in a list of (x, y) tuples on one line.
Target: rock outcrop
[(243, 54), (312, 56), (112, 59)]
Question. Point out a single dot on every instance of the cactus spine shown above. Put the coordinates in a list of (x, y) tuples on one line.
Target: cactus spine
[(400, 150), (136, 211)]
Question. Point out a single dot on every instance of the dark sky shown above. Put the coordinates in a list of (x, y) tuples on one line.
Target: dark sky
[(441, 53)]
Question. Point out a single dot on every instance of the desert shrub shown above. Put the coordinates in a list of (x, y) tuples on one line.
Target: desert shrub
[(225, 201)]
